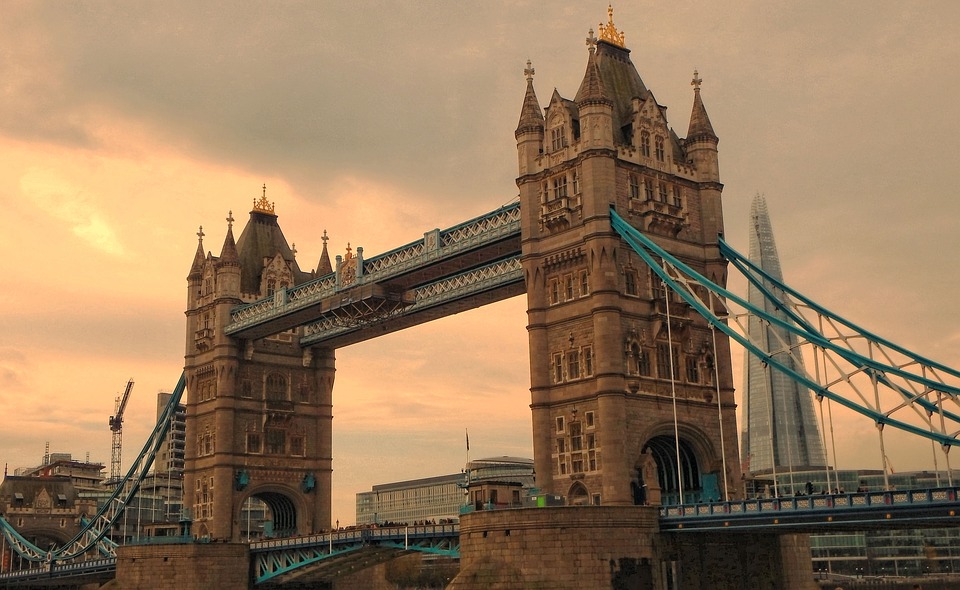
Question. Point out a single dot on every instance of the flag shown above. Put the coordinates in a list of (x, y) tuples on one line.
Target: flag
[(468, 438)]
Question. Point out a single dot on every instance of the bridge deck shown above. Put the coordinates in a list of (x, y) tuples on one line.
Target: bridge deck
[(912, 509)]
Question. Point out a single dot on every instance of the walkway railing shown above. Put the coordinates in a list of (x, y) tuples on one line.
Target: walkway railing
[(822, 511)]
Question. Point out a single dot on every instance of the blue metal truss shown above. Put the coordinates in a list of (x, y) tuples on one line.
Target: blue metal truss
[(861, 371), (94, 533), (277, 557)]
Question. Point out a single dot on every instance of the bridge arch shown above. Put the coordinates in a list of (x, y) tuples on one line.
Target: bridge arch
[(698, 462), (285, 506)]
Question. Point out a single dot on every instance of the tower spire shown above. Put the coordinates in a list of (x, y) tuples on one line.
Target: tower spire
[(323, 266), (196, 269), (700, 127), (228, 254), (531, 116)]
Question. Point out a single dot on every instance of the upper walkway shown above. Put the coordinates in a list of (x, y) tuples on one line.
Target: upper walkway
[(468, 265)]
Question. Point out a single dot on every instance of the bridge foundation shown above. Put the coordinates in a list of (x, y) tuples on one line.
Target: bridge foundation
[(619, 548), (188, 566)]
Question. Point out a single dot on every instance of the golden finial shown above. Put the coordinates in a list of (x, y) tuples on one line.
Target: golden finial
[(349, 253), (262, 205), (609, 33), (696, 81)]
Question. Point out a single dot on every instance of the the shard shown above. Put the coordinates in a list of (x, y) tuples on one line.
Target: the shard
[(780, 433)]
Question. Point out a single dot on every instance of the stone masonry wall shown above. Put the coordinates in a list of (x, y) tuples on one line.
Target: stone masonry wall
[(570, 547), (193, 566)]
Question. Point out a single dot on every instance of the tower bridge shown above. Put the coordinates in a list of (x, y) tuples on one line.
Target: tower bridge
[(616, 241)]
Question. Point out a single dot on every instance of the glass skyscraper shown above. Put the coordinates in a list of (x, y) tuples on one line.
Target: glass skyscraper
[(780, 432)]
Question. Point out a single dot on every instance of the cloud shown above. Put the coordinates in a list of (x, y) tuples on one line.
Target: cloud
[(58, 197)]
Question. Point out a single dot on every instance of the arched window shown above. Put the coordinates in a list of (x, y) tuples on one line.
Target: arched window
[(578, 495), (276, 387), (645, 143), (660, 152)]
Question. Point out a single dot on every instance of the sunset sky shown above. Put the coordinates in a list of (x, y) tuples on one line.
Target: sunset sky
[(126, 125)]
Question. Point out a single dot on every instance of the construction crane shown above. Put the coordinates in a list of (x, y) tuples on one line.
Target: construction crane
[(116, 426)]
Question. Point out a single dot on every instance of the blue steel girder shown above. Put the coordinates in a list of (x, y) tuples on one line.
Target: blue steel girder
[(385, 284), (93, 535), (855, 369), (328, 555)]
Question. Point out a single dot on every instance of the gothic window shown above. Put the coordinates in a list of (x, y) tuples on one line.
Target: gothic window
[(276, 387), (557, 139), (576, 437), (645, 143), (297, 446), (271, 287), (573, 365), (560, 187), (634, 187), (659, 143), (588, 418), (561, 445), (576, 183), (577, 463), (677, 196), (643, 363), (630, 282), (246, 388), (663, 361), (563, 465), (276, 441), (557, 367), (591, 441), (559, 423), (554, 291), (663, 192), (584, 284), (693, 372), (648, 189), (254, 443), (587, 361), (568, 287)]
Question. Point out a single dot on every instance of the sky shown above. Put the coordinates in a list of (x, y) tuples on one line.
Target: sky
[(124, 126)]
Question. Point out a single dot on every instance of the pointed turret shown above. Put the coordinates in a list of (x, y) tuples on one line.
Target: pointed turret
[(228, 265), (323, 266), (529, 131), (701, 142), (700, 127), (591, 88), (531, 117), (228, 254), (594, 104), (197, 268)]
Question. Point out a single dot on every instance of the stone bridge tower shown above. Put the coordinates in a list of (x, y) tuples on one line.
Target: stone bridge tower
[(259, 412), (606, 364)]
